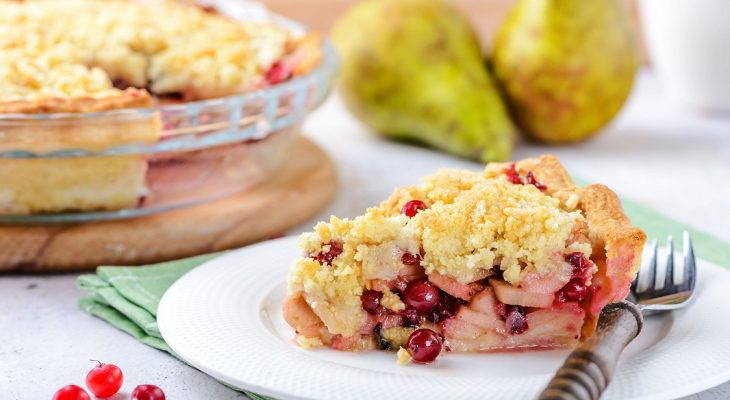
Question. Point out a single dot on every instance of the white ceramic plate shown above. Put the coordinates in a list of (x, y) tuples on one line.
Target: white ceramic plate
[(225, 319)]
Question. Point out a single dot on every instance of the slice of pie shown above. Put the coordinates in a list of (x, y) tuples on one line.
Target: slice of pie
[(81, 56), (514, 257)]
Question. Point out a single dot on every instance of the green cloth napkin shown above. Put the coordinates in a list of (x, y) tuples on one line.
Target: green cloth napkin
[(128, 297)]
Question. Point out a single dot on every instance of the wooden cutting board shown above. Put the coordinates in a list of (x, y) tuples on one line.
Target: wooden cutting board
[(303, 185)]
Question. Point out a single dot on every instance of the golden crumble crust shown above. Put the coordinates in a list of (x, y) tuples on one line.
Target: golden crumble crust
[(49, 65), (128, 98)]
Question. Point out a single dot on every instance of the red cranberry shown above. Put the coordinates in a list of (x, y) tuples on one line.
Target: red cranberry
[(512, 175), (400, 284), (410, 259), (71, 392), (424, 345), (531, 180), (327, 257), (421, 295), (278, 73), (580, 264), (575, 290), (446, 307), (413, 207), (370, 300), (104, 380), (411, 317), (148, 392), (515, 320)]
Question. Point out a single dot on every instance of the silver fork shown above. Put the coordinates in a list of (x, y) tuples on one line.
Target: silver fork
[(588, 370)]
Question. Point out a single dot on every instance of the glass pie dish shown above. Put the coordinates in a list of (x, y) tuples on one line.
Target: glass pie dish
[(127, 163)]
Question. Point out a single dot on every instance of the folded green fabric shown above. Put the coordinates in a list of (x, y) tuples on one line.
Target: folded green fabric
[(128, 297)]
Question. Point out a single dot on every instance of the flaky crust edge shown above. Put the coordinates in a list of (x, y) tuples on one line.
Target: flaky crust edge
[(128, 98), (609, 229), (617, 244)]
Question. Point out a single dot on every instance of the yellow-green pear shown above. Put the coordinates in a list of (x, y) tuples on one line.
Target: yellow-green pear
[(566, 66), (413, 70)]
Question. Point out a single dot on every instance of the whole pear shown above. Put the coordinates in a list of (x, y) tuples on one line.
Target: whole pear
[(413, 70), (566, 66)]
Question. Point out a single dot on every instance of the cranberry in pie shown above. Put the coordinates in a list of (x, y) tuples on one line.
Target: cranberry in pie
[(514, 257)]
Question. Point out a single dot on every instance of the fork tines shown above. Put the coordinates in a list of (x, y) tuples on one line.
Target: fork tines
[(690, 267), (669, 286)]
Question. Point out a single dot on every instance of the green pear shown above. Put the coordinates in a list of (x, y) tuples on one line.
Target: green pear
[(413, 70), (566, 66)]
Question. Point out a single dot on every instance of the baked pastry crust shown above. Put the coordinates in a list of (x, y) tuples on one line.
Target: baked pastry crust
[(128, 98), (617, 244)]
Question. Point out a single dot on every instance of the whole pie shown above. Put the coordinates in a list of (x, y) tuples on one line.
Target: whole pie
[(79, 56), (514, 257)]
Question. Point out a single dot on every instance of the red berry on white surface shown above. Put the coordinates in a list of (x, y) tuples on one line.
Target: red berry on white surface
[(71, 392), (148, 392), (104, 380)]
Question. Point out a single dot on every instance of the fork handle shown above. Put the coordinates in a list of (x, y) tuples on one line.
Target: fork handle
[(588, 369)]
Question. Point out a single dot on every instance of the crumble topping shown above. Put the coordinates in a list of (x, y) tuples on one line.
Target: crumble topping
[(32, 80), (473, 221), (308, 343), (494, 223), (403, 356), (391, 301), (76, 48)]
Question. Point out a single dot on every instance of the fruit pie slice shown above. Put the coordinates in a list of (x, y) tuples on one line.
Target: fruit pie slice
[(514, 257)]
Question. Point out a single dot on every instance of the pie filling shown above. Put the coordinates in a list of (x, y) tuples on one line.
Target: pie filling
[(465, 261)]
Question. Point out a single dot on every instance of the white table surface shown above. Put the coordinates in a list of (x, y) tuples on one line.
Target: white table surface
[(659, 153)]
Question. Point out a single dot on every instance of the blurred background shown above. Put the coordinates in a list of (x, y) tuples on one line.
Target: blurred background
[(485, 15)]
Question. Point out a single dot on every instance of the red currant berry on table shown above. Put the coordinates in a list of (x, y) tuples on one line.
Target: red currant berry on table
[(424, 345), (412, 208), (421, 295), (104, 380), (71, 392), (148, 392)]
